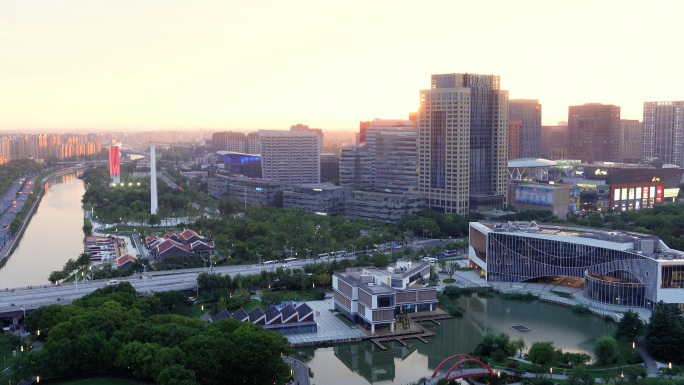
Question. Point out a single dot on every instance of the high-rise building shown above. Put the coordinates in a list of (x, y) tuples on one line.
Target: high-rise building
[(514, 127), (554, 142), (303, 127), (230, 141), (631, 141), (664, 132), (4, 150), (462, 143), (528, 113), (253, 143), (291, 157), (355, 168), (594, 132), (394, 157)]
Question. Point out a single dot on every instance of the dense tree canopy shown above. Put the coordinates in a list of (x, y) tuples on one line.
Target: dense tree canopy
[(665, 334), (117, 330)]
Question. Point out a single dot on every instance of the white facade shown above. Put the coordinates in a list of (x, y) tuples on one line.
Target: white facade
[(290, 157)]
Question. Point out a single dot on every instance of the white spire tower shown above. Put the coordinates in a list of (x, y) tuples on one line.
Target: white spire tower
[(153, 181)]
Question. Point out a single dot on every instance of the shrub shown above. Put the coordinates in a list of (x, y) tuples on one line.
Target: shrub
[(581, 309), (452, 291), (498, 356), (518, 295), (512, 365), (484, 292)]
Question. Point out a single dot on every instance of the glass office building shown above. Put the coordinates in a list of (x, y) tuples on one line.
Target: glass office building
[(618, 268)]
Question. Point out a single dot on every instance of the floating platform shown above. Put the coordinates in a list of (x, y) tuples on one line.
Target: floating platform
[(519, 328)]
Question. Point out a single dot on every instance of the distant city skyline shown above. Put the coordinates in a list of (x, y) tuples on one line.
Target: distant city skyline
[(227, 65)]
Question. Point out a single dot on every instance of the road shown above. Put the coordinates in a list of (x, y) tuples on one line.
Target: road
[(167, 180), (153, 281), (12, 201)]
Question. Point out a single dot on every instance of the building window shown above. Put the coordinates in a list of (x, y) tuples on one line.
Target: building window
[(386, 301)]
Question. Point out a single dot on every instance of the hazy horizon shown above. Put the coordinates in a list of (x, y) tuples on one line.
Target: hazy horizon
[(224, 65)]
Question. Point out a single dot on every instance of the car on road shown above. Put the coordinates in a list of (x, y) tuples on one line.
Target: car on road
[(113, 282)]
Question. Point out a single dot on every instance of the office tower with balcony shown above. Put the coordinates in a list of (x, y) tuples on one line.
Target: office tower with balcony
[(594, 132), (526, 113), (291, 157), (462, 143), (631, 141), (663, 128)]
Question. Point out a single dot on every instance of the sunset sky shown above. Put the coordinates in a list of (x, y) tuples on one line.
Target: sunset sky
[(92, 64)]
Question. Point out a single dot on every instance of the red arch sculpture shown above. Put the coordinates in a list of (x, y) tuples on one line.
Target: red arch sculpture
[(464, 358)]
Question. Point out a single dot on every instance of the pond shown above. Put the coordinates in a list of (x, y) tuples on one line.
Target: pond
[(365, 363)]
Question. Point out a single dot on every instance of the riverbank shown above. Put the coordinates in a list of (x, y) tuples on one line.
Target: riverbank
[(40, 181)]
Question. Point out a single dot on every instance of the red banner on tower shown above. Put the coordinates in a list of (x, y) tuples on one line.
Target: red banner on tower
[(114, 168)]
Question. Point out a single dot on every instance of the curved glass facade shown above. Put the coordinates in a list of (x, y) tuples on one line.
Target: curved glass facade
[(617, 277), (614, 291)]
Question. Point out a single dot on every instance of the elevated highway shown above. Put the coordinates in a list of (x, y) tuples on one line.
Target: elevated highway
[(15, 302)]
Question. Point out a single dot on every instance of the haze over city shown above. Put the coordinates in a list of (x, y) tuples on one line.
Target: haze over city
[(129, 65)]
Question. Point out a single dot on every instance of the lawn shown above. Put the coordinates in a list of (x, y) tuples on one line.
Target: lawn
[(345, 320), (449, 280)]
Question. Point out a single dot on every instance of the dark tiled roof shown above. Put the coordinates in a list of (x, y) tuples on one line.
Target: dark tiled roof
[(222, 315), (303, 310), (240, 315), (256, 314), (272, 313), (287, 312)]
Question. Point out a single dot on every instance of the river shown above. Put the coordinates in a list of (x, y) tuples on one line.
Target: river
[(364, 363), (52, 237)]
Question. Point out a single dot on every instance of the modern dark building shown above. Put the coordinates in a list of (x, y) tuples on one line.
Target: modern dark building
[(554, 142), (236, 163), (330, 168), (663, 130), (619, 268), (462, 143), (631, 141), (528, 112), (594, 133)]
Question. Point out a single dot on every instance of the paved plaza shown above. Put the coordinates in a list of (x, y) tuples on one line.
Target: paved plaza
[(330, 328)]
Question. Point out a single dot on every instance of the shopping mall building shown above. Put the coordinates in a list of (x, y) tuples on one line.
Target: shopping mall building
[(618, 267)]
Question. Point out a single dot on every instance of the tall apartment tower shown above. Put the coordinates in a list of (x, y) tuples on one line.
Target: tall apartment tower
[(303, 127), (291, 157), (253, 143), (462, 143), (631, 141), (594, 132), (230, 141), (527, 114), (4, 150), (663, 132)]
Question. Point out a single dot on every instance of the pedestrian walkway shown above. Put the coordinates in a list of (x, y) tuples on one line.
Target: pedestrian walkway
[(330, 327), (300, 371)]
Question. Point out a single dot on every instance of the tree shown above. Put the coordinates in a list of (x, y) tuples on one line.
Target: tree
[(492, 342), (608, 376), (580, 376), (517, 345), (576, 358), (629, 327), (605, 350), (665, 334), (543, 353), (442, 264), (451, 268), (278, 200)]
